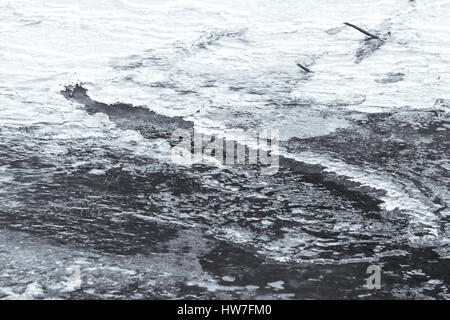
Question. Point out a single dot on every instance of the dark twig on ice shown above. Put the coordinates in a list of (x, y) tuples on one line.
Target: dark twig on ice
[(303, 67), (363, 31)]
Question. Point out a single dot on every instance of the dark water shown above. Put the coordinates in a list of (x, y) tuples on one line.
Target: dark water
[(302, 233)]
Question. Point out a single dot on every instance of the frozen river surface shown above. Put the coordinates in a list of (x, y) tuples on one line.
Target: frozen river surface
[(93, 207)]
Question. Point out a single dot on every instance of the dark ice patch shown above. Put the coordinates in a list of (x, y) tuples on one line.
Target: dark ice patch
[(391, 77), (128, 117)]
